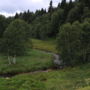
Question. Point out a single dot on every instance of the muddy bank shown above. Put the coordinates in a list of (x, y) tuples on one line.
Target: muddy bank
[(10, 75)]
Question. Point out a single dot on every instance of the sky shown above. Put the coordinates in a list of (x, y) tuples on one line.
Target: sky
[(10, 7)]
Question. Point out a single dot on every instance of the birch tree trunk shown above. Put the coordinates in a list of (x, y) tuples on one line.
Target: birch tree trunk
[(14, 59), (9, 59)]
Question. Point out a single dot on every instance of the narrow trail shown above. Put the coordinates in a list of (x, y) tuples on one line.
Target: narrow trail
[(56, 61)]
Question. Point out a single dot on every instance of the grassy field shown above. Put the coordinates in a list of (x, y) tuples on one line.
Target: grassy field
[(49, 45), (35, 60), (77, 78)]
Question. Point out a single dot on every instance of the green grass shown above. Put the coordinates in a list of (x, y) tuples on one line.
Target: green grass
[(49, 45), (77, 78), (35, 60), (85, 88)]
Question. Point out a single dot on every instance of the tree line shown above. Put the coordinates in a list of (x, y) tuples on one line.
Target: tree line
[(45, 24)]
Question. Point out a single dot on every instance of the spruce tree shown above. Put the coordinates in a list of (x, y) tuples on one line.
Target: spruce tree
[(50, 10), (63, 4)]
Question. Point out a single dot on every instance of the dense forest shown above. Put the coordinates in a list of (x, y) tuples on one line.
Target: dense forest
[(69, 23)]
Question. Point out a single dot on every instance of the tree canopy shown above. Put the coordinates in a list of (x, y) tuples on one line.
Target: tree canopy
[(15, 39)]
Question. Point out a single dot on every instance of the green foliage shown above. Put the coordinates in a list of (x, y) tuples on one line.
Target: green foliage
[(85, 2), (41, 27), (2, 25), (85, 42), (86, 13), (56, 20), (68, 43), (63, 4), (15, 38), (70, 5), (50, 10), (39, 13), (45, 24), (75, 13), (74, 44)]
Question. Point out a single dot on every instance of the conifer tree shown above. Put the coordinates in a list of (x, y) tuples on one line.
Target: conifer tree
[(50, 10), (63, 4)]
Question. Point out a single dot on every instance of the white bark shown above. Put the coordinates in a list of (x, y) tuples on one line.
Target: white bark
[(9, 59), (14, 59)]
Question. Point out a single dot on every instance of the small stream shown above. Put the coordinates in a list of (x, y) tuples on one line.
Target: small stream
[(56, 61), (56, 57)]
